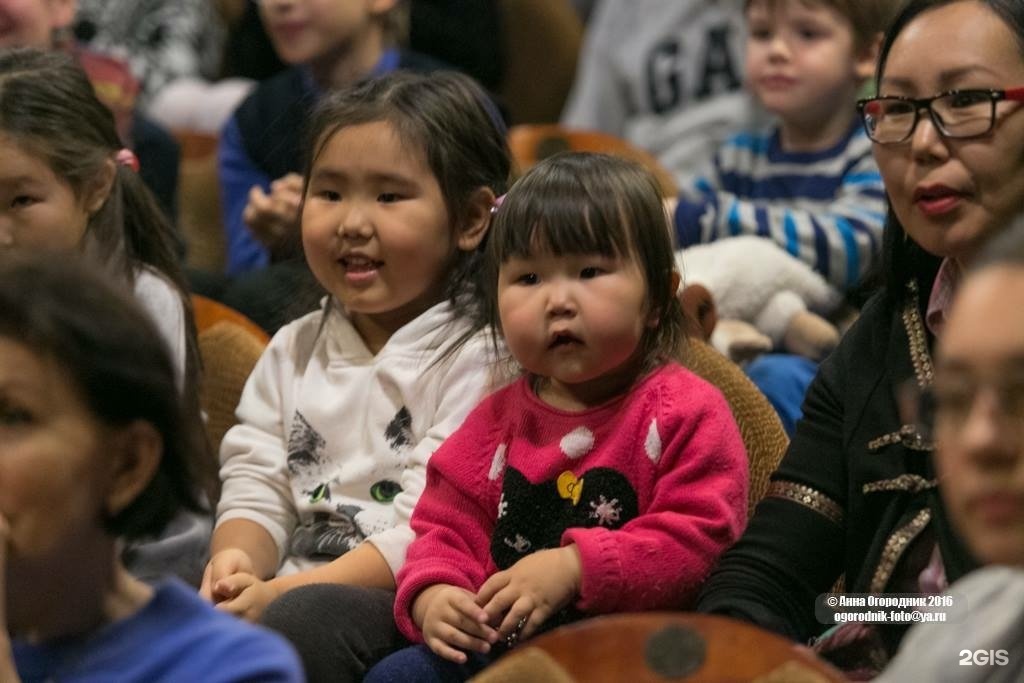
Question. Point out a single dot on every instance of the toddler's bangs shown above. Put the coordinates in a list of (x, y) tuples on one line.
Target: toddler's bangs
[(559, 221)]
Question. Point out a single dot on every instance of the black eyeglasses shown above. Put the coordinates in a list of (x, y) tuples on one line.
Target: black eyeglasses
[(949, 404), (956, 113)]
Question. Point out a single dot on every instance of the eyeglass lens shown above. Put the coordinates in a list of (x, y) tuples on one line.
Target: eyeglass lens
[(960, 114), (951, 403)]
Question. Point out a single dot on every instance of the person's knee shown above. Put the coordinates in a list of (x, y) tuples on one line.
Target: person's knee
[(314, 609), (339, 631), (289, 609)]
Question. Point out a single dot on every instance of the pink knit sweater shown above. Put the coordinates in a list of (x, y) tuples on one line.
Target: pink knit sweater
[(651, 488)]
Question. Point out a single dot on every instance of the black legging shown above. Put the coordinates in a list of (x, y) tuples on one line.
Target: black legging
[(339, 631)]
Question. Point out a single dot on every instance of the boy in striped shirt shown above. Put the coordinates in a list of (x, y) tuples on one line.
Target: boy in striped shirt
[(809, 182)]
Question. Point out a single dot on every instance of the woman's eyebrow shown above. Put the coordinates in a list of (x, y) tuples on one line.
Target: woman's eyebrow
[(947, 78), (960, 365)]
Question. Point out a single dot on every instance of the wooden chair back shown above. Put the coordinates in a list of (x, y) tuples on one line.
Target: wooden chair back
[(762, 431), (229, 345), (532, 143), (654, 647)]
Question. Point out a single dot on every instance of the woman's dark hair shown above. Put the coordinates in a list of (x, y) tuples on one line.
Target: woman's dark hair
[(579, 203), (455, 124), (902, 259), (69, 311), (48, 107), (1010, 11)]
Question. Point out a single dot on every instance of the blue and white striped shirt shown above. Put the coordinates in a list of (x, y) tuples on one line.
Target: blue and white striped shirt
[(826, 208)]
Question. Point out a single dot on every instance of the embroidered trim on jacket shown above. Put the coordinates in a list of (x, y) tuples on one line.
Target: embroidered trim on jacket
[(907, 435), (918, 337), (895, 547), (924, 372), (808, 497), (911, 483)]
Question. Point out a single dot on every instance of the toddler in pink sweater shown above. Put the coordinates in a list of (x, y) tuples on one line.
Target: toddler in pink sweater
[(607, 477)]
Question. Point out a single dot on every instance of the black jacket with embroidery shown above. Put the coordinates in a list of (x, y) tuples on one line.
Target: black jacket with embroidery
[(853, 491)]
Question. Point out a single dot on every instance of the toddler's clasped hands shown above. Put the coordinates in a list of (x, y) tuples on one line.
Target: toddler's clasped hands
[(511, 604)]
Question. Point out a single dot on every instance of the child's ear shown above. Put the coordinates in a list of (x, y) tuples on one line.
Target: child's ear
[(477, 219), (97, 188), (673, 286), (866, 59), (136, 452)]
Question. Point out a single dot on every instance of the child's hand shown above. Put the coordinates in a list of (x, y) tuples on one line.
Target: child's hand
[(273, 218), (222, 565), (531, 590), (245, 595), (451, 621)]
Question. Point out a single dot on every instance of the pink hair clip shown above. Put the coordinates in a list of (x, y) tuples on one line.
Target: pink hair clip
[(497, 204), (126, 157)]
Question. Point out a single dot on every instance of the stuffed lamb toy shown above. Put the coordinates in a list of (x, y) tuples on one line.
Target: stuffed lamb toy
[(763, 297)]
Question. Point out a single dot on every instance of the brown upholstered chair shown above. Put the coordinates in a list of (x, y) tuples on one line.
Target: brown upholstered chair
[(541, 41), (759, 424), (532, 143), (199, 204), (207, 312), (229, 345), (659, 647)]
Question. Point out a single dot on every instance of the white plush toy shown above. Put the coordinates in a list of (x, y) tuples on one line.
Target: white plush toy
[(764, 298)]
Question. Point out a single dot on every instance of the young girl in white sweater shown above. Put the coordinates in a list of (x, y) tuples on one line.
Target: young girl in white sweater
[(347, 404)]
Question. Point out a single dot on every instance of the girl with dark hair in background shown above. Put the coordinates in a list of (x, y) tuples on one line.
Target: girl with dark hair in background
[(67, 185)]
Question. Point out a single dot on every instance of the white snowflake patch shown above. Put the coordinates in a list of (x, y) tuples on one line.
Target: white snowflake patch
[(498, 463), (520, 545), (577, 443), (605, 511), (502, 506), (653, 443)]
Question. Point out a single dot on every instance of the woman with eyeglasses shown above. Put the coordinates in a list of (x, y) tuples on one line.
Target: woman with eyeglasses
[(854, 501), (975, 412)]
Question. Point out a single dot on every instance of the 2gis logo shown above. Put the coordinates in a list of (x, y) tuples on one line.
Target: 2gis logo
[(984, 657)]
